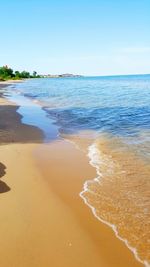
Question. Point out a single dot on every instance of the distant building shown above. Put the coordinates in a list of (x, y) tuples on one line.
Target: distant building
[(65, 75)]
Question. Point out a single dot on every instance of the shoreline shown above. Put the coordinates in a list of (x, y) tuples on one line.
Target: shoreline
[(42, 213), (68, 192), (92, 153), (12, 130)]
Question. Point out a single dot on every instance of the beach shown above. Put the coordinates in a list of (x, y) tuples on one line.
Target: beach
[(44, 221), (75, 134)]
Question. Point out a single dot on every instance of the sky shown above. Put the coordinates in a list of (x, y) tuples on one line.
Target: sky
[(98, 37)]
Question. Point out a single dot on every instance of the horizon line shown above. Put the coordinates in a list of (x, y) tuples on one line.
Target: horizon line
[(110, 75)]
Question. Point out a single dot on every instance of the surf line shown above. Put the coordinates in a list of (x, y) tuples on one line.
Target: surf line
[(94, 160)]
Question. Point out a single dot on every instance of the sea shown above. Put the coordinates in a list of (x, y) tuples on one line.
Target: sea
[(110, 118)]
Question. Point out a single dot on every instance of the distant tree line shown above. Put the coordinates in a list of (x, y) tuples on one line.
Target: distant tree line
[(7, 73)]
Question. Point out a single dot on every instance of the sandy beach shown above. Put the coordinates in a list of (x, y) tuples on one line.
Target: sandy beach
[(44, 222)]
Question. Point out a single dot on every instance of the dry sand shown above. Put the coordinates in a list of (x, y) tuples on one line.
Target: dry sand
[(44, 222)]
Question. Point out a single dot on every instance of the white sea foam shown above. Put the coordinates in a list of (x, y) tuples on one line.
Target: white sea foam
[(95, 159)]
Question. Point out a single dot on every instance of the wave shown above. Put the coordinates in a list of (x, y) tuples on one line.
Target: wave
[(118, 196)]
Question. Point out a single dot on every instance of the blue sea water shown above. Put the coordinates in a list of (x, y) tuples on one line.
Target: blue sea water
[(118, 104)]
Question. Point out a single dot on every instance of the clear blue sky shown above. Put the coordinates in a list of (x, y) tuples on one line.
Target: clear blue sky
[(99, 37)]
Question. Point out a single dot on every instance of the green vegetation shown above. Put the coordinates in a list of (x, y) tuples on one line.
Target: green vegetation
[(7, 73)]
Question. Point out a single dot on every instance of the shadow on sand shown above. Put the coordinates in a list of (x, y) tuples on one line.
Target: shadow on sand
[(3, 187)]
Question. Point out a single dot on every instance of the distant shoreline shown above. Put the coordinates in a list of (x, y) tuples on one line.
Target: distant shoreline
[(55, 76), (94, 76)]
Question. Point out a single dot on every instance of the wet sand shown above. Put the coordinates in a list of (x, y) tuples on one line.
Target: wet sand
[(120, 194), (11, 128), (44, 222), (92, 243)]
